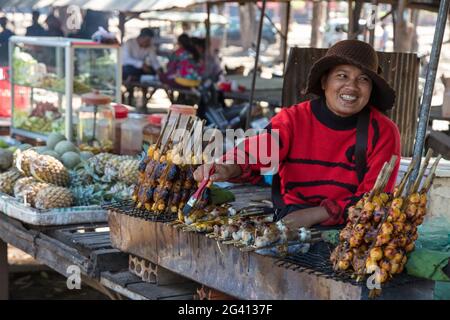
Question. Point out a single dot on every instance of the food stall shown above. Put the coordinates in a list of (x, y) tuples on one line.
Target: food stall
[(57, 71)]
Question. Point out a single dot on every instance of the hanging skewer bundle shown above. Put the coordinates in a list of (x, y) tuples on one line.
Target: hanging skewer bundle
[(382, 227)]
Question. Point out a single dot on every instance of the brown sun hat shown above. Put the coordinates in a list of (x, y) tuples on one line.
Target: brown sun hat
[(361, 55)]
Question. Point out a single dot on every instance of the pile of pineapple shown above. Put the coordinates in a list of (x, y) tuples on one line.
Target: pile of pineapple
[(104, 178), (58, 175), (38, 180)]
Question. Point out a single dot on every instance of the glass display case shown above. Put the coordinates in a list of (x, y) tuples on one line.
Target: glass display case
[(57, 72)]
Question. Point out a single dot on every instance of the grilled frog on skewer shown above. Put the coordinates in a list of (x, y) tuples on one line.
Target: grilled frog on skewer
[(227, 231), (248, 233), (270, 234)]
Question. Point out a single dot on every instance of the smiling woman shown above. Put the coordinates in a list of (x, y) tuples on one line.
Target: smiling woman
[(347, 90), (330, 149)]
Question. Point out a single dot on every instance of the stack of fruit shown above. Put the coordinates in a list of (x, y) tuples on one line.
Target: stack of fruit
[(59, 175), (104, 178), (46, 122), (382, 227), (45, 181), (6, 155)]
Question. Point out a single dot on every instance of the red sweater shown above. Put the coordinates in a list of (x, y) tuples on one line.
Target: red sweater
[(316, 152)]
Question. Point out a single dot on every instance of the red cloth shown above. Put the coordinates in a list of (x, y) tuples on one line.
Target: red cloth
[(316, 155)]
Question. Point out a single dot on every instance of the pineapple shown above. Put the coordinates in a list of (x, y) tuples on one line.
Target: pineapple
[(129, 171), (121, 191), (27, 188), (111, 170), (99, 161), (53, 197), (22, 160), (50, 170), (80, 177), (8, 179)]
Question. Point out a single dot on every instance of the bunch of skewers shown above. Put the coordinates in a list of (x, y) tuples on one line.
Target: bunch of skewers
[(166, 179), (248, 229), (382, 228)]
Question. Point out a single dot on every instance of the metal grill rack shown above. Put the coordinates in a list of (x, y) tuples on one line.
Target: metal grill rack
[(128, 208), (317, 261)]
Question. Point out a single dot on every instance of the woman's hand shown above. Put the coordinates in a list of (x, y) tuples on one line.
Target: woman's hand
[(306, 217), (222, 172)]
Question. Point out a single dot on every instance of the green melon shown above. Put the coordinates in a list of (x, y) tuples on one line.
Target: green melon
[(70, 159), (24, 146), (40, 150), (85, 155), (54, 138), (52, 153), (6, 159), (65, 146)]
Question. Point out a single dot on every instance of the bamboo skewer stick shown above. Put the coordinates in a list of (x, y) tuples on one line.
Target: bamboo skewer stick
[(427, 184), (423, 168), (388, 174), (169, 138), (398, 192), (377, 182), (159, 140)]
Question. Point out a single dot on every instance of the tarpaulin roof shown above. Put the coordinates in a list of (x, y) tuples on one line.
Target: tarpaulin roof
[(153, 5), (119, 5), (184, 16)]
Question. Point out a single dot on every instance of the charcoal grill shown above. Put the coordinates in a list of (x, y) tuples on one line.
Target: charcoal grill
[(127, 207), (317, 261)]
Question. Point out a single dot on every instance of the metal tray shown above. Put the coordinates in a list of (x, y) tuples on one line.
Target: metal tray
[(61, 216)]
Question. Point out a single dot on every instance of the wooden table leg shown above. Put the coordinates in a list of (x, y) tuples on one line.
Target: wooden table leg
[(4, 281)]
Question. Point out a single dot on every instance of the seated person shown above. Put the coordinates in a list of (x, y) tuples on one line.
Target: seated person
[(212, 69), (184, 68), (35, 30), (330, 150), (139, 56), (5, 34), (54, 28)]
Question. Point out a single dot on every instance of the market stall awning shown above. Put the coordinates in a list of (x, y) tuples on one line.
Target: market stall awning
[(178, 16), (150, 5), (106, 5)]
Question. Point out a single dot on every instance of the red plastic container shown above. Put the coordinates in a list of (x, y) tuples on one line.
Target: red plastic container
[(21, 94)]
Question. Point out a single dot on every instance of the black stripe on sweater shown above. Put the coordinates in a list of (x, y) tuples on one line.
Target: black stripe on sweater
[(309, 198), (353, 200), (316, 183), (322, 163)]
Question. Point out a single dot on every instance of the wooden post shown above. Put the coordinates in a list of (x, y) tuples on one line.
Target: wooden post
[(285, 32), (255, 68), (350, 19), (4, 274), (373, 22), (208, 30), (414, 37), (315, 24), (247, 24), (122, 20), (328, 12), (401, 32)]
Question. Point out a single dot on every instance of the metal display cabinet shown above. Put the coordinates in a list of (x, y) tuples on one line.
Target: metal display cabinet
[(53, 73)]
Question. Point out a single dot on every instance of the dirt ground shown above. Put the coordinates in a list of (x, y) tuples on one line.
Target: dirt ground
[(28, 280)]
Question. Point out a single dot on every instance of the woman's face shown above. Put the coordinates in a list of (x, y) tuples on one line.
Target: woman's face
[(347, 89)]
